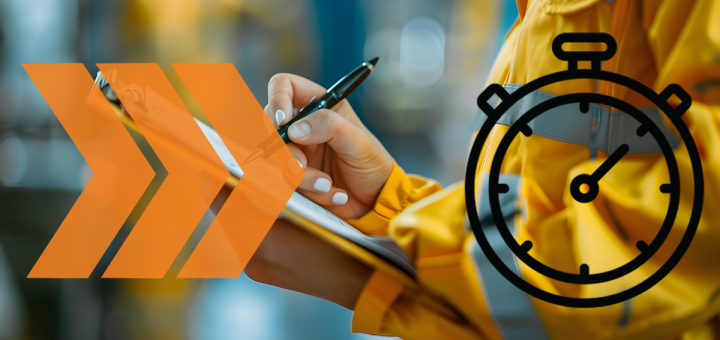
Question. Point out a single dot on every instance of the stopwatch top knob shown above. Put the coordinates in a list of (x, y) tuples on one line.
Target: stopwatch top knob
[(595, 57)]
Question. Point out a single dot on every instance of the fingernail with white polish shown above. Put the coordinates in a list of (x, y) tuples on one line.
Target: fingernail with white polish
[(279, 116), (322, 185), (301, 167), (299, 130), (340, 198)]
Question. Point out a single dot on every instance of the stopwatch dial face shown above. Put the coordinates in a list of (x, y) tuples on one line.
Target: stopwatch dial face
[(584, 188)]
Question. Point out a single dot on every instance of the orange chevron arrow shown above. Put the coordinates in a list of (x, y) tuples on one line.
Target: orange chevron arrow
[(266, 185), (121, 173), (195, 172)]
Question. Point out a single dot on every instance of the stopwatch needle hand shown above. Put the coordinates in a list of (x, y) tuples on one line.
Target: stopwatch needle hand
[(610, 162), (593, 188)]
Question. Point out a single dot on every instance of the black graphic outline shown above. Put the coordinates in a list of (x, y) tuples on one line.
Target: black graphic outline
[(495, 188)]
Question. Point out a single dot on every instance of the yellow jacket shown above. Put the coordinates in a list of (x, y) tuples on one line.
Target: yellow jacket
[(660, 42)]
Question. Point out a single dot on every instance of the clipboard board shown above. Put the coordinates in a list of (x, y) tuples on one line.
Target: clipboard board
[(376, 252)]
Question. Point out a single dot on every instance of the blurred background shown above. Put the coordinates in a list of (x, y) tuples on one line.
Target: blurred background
[(420, 102)]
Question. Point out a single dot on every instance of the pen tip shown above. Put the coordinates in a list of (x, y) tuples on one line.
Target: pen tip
[(374, 61)]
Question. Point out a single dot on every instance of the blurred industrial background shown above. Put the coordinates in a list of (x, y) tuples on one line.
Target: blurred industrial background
[(420, 102)]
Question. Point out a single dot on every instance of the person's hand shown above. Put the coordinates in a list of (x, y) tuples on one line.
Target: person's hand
[(345, 165), (292, 258)]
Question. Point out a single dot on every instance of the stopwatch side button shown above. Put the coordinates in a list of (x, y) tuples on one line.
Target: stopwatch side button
[(584, 269), (489, 92), (641, 246), (641, 131), (677, 90)]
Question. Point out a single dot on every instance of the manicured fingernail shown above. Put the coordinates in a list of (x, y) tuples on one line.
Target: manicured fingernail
[(340, 198), (279, 116), (322, 185), (293, 169), (299, 130)]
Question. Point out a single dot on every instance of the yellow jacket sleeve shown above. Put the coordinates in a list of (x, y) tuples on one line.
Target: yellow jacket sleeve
[(385, 308), (660, 43), (399, 191), (663, 42), (451, 304)]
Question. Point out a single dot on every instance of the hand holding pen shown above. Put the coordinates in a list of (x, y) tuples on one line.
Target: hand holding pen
[(345, 165)]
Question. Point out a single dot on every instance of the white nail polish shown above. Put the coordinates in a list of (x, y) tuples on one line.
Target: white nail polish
[(322, 185), (279, 116), (299, 130), (340, 198), (301, 167)]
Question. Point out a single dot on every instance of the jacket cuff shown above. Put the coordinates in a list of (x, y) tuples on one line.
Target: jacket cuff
[(398, 192), (374, 301)]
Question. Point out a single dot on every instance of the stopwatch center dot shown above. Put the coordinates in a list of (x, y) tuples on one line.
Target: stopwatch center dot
[(584, 188)]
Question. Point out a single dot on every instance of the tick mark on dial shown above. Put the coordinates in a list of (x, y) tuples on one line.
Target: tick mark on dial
[(584, 269), (526, 246), (584, 107), (666, 188), (502, 188), (641, 246), (526, 130)]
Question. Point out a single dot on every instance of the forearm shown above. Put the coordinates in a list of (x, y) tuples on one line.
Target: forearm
[(292, 258)]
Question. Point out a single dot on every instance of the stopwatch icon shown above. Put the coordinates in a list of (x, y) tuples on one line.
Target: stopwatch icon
[(584, 188)]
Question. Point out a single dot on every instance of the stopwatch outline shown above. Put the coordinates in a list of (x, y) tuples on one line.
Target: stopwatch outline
[(583, 99)]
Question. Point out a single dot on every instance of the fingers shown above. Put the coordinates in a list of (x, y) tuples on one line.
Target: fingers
[(326, 126), (299, 155), (279, 107), (318, 186), (286, 91), (344, 109)]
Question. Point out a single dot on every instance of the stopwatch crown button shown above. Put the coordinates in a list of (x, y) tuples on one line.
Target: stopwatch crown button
[(595, 57)]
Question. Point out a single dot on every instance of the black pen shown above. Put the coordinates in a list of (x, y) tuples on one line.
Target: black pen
[(335, 94)]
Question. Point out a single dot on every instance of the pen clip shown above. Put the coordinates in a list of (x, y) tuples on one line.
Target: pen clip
[(312, 101)]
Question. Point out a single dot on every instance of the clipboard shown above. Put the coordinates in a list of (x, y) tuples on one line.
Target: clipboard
[(376, 252)]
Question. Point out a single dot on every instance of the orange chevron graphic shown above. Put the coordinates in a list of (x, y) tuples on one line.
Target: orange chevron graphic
[(120, 177), (195, 172), (266, 185)]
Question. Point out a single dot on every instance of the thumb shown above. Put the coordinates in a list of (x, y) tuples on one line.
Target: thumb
[(327, 126)]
